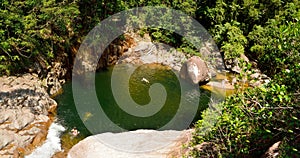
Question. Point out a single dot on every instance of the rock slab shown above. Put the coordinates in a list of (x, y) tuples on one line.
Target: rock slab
[(133, 144)]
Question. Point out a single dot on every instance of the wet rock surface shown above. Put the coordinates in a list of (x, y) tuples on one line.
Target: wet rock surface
[(25, 107)]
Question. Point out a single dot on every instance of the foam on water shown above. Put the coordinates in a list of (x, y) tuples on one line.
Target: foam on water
[(51, 145)]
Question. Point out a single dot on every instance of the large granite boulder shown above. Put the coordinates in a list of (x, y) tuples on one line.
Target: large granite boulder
[(132, 144), (195, 70)]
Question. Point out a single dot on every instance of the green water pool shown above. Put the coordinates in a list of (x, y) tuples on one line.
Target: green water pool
[(139, 91)]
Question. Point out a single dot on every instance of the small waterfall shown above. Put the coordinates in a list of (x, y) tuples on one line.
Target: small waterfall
[(51, 145)]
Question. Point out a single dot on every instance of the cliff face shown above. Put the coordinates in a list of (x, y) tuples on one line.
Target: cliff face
[(86, 57)]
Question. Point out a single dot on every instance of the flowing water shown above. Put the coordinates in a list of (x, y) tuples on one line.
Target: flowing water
[(139, 91), (52, 143)]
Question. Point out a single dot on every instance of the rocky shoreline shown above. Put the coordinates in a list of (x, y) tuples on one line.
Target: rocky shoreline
[(27, 108), (26, 112)]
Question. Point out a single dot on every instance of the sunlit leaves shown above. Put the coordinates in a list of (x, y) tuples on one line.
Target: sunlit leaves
[(27, 26)]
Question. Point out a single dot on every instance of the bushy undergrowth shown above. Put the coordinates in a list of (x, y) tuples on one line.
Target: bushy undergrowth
[(252, 121)]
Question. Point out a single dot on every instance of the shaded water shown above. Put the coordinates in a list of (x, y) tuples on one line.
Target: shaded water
[(139, 91)]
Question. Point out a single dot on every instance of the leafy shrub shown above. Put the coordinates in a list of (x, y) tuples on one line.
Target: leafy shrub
[(252, 121), (230, 22), (276, 46), (233, 40), (255, 119), (30, 28)]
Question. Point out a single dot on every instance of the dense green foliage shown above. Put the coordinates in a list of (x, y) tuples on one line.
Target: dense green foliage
[(268, 32), (255, 119), (31, 28), (48, 29), (252, 121), (41, 31), (231, 21)]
